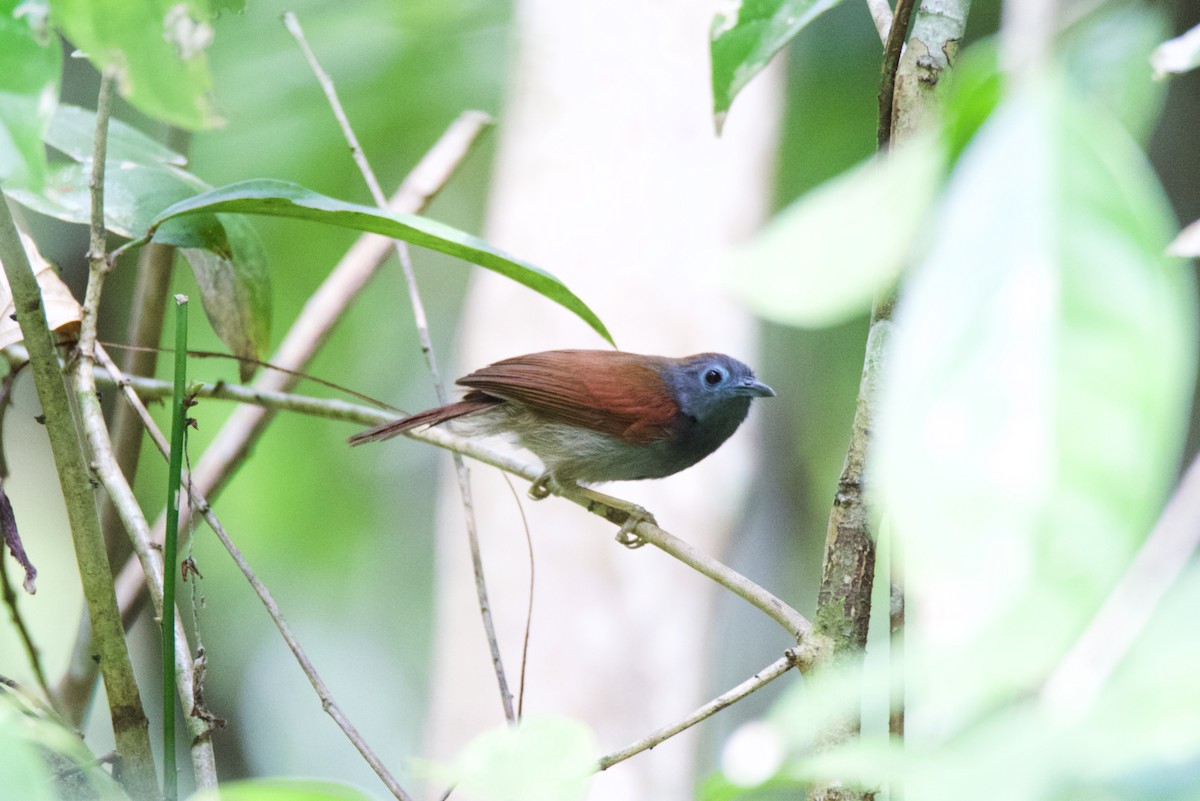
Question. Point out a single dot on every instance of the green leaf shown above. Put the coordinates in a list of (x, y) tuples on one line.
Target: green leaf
[(283, 199), (744, 42), (133, 195), (155, 47), (226, 254), (1035, 398), (815, 265), (1180, 54), (72, 129), (282, 790), (30, 65), (540, 759), (1107, 56)]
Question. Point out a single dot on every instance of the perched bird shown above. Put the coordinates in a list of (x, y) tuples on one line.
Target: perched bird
[(599, 415)]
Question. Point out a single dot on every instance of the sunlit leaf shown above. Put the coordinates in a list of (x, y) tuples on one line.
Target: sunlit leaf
[(155, 48), (283, 199), (1035, 396), (30, 65), (747, 36), (823, 258)]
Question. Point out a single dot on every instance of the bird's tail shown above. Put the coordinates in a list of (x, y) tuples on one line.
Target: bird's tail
[(471, 403)]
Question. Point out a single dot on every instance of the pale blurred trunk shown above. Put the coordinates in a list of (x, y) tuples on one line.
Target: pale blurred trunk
[(609, 175)]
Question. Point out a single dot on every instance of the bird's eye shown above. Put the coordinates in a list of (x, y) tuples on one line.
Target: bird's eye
[(714, 377)]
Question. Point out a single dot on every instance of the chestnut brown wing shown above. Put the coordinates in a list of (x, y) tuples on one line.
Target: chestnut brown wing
[(622, 394)]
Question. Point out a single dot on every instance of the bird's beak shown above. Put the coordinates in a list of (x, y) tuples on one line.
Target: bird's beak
[(756, 389)]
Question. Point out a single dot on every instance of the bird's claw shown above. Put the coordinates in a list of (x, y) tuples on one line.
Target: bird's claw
[(540, 488)]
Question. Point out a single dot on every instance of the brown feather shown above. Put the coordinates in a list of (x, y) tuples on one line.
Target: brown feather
[(620, 394), (472, 402)]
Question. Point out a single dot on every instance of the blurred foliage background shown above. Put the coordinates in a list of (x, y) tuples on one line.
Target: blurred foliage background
[(348, 560)]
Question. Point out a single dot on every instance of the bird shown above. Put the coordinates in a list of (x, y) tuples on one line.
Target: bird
[(594, 416)]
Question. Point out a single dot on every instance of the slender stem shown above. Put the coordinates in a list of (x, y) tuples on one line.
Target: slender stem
[(726, 699), (170, 545), (422, 324), (146, 312), (130, 726)]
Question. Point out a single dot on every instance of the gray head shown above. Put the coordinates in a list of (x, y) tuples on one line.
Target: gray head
[(712, 385)]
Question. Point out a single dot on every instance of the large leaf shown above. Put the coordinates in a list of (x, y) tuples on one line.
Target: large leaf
[(283, 199), (745, 40), (155, 47), (1034, 403), (72, 130), (814, 265), (30, 64), (228, 260)]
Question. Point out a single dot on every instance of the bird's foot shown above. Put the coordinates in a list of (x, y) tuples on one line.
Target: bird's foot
[(629, 515), (540, 488)]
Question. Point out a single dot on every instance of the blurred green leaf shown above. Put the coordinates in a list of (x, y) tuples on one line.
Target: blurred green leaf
[(822, 259), (283, 199), (1180, 54), (744, 42), (43, 759), (72, 129), (1035, 399), (976, 88), (30, 66), (23, 774), (156, 49), (1107, 56), (540, 759), (282, 790)]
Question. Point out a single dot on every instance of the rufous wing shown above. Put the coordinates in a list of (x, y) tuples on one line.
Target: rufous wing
[(622, 394)]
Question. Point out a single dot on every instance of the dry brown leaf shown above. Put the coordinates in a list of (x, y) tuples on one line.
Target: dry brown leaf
[(63, 312)]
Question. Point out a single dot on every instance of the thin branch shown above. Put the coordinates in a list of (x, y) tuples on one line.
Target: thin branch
[(1125, 613), (197, 499), (755, 682), (130, 725), (422, 324), (146, 312), (893, 46)]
